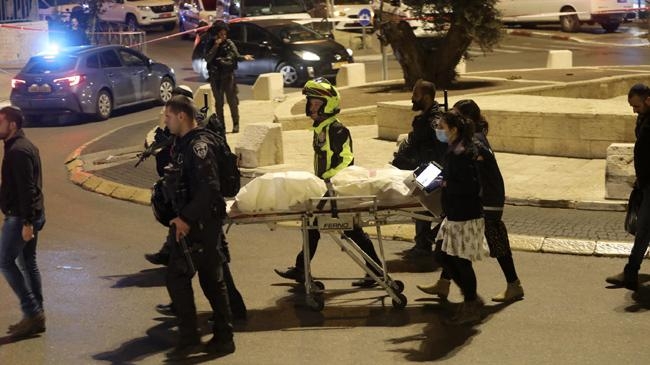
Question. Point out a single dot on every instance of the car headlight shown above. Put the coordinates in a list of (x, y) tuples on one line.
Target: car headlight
[(145, 8), (307, 56), (349, 51)]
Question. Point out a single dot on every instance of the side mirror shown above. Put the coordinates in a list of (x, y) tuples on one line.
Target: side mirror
[(150, 62), (329, 36)]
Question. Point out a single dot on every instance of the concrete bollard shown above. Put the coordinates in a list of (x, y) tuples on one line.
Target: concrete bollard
[(203, 93), (619, 171), (559, 59), (268, 86), (260, 145), (352, 74)]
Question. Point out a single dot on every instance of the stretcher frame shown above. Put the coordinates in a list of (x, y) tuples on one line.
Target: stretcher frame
[(334, 222)]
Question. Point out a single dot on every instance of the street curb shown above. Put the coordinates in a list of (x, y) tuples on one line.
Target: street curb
[(542, 35), (93, 183)]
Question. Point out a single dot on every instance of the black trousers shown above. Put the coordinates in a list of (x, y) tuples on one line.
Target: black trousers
[(221, 85), (642, 236), (356, 234), (424, 235), (209, 265), (461, 271)]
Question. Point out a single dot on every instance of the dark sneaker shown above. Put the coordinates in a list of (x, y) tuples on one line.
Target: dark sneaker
[(166, 309), (220, 348), (292, 273), (29, 326), (618, 279), (366, 282), (185, 349), (157, 258), (12, 327)]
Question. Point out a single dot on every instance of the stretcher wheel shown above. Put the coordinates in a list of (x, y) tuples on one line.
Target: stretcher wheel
[(319, 285), (402, 302), (398, 286), (315, 302)]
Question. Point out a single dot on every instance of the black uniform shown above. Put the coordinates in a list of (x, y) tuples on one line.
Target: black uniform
[(193, 181), (222, 63), (421, 147)]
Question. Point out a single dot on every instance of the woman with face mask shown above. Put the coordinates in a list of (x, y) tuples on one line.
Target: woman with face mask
[(461, 238)]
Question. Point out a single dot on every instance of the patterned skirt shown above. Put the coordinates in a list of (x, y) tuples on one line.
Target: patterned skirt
[(464, 239)]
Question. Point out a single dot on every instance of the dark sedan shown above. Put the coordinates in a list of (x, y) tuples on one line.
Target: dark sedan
[(89, 80), (296, 51)]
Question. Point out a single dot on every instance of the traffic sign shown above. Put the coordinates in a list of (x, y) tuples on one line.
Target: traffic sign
[(365, 17)]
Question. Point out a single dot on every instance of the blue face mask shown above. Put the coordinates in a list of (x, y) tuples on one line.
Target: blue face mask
[(441, 135)]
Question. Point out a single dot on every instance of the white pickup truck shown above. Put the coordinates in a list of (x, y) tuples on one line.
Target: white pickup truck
[(140, 13)]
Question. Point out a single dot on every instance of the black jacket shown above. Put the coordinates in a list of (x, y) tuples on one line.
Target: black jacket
[(493, 192), (642, 151), (21, 190), (193, 155), (461, 200), (421, 146), (222, 59)]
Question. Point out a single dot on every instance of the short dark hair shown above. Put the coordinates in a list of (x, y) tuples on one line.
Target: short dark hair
[(181, 104), (13, 114), (428, 87), (640, 90)]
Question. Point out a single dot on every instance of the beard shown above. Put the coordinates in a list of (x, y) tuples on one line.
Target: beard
[(417, 105)]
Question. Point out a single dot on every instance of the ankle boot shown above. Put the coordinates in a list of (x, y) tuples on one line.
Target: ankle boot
[(440, 288), (514, 291)]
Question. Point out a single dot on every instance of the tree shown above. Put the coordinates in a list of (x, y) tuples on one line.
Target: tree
[(450, 27)]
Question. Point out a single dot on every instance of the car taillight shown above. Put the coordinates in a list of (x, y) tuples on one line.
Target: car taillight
[(16, 82), (70, 80)]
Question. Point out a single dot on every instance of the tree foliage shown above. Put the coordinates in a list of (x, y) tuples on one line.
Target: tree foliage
[(451, 27)]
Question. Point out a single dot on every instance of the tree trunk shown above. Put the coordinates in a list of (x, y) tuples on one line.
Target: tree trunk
[(431, 58)]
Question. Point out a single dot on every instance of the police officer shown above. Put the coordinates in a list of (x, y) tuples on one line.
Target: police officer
[(192, 183), (221, 58), (421, 147), (333, 152)]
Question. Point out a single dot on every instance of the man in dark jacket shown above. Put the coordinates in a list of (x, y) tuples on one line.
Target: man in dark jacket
[(639, 99), (21, 200), (421, 147), (221, 58)]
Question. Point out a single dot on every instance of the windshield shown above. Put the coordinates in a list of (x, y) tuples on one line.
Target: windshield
[(50, 64), (271, 7), (294, 33)]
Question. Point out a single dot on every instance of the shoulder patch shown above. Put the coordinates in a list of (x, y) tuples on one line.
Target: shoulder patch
[(200, 149)]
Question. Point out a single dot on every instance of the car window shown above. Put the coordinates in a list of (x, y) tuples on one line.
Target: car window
[(109, 59), (255, 35), (50, 64), (235, 33), (295, 32), (92, 61), (131, 59)]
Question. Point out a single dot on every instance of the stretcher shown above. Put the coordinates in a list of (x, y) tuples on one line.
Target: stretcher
[(363, 211)]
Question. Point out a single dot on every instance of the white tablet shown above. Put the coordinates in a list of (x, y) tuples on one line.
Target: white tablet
[(426, 177)]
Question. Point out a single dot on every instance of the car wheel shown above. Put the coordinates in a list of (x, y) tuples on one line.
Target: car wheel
[(610, 27), (131, 22), (169, 26), (104, 105), (569, 23), (289, 74), (165, 91)]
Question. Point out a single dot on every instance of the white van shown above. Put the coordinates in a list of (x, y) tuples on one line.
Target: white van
[(608, 13)]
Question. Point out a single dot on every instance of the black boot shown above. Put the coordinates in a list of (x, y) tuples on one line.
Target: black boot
[(631, 278)]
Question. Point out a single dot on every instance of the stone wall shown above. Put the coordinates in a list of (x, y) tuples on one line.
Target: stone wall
[(619, 171), (18, 45), (604, 88)]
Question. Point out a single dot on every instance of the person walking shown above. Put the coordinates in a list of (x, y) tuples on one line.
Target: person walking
[(461, 236), (421, 147), (493, 200), (639, 99), (332, 144), (21, 201)]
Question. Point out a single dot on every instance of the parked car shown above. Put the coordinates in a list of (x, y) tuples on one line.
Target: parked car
[(348, 12), (62, 10), (89, 80), (281, 45), (191, 12), (608, 13), (140, 13)]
